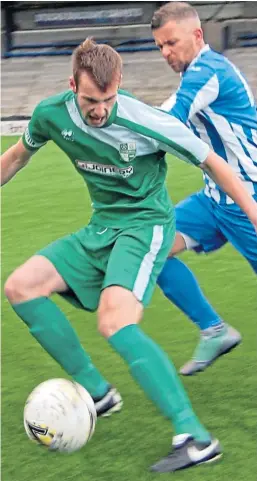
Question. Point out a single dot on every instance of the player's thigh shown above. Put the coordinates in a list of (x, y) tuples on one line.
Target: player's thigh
[(239, 231), (195, 221), (137, 259), (36, 277), (75, 263)]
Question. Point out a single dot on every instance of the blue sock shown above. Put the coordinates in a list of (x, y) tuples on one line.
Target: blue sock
[(180, 286)]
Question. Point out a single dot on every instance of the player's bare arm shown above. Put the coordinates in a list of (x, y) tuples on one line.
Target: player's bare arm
[(224, 176), (13, 160)]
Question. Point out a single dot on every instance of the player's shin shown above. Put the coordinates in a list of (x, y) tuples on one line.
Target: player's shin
[(180, 286), (156, 375), (53, 331)]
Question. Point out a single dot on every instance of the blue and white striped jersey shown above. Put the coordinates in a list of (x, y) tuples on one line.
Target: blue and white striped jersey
[(215, 101)]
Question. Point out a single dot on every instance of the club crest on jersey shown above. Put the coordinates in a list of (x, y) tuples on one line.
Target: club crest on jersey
[(128, 151), (68, 135)]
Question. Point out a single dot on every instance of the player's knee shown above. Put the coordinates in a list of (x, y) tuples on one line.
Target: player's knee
[(18, 289), (118, 308), (110, 317), (14, 288), (109, 320)]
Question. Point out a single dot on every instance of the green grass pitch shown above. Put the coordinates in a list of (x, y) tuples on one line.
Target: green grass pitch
[(47, 200)]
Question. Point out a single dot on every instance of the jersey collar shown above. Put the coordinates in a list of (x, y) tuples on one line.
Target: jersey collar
[(202, 51)]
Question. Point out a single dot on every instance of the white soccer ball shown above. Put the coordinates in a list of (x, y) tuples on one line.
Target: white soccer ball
[(60, 415)]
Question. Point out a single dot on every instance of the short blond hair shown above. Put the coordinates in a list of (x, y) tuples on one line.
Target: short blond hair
[(100, 61), (177, 11)]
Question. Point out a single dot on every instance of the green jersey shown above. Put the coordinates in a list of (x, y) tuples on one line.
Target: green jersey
[(123, 162)]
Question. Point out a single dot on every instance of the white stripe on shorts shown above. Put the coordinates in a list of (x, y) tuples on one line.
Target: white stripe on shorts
[(147, 263)]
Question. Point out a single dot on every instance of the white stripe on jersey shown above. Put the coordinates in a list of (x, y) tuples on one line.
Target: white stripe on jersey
[(246, 86), (234, 151), (254, 136), (238, 129), (205, 96), (210, 189), (201, 131)]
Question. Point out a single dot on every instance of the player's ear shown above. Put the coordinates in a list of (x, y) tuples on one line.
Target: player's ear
[(198, 34), (120, 80), (72, 84)]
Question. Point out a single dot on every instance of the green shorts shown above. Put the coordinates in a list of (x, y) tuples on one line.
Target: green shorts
[(96, 257)]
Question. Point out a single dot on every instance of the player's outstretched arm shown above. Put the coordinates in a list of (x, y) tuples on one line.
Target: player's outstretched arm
[(224, 176), (172, 136), (14, 159)]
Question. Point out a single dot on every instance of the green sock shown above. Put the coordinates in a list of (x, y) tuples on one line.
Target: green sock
[(53, 331), (157, 376)]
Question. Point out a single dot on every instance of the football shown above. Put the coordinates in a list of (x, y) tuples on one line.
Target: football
[(60, 415)]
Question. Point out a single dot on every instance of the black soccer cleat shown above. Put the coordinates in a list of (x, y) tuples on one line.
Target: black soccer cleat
[(110, 403), (187, 452)]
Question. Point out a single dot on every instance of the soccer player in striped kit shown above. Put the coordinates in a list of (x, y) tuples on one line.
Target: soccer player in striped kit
[(216, 103)]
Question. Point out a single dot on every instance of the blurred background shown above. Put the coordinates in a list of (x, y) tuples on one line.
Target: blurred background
[(38, 38)]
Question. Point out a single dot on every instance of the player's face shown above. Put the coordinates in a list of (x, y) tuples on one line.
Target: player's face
[(96, 106), (179, 43)]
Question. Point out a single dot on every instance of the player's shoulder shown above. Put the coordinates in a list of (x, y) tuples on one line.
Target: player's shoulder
[(129, 106), (53, 102), (126, 99), (207, 63), (128, 102), (214, 62), (124, 94), (208, 66), (228, 74)]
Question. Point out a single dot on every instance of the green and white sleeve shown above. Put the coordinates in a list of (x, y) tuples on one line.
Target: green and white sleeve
[(35, 135), (169, 133)]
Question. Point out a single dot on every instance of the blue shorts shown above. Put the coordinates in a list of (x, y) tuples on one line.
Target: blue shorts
[(212, 225)]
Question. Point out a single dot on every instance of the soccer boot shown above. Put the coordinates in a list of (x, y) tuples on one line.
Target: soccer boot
[(213, 343), (110, 403), (187, 452)]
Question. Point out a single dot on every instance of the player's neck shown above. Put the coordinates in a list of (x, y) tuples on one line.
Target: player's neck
[(197, 51), (199, 48)]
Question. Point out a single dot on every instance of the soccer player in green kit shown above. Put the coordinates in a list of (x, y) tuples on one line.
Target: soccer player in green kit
[(117, 144)]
